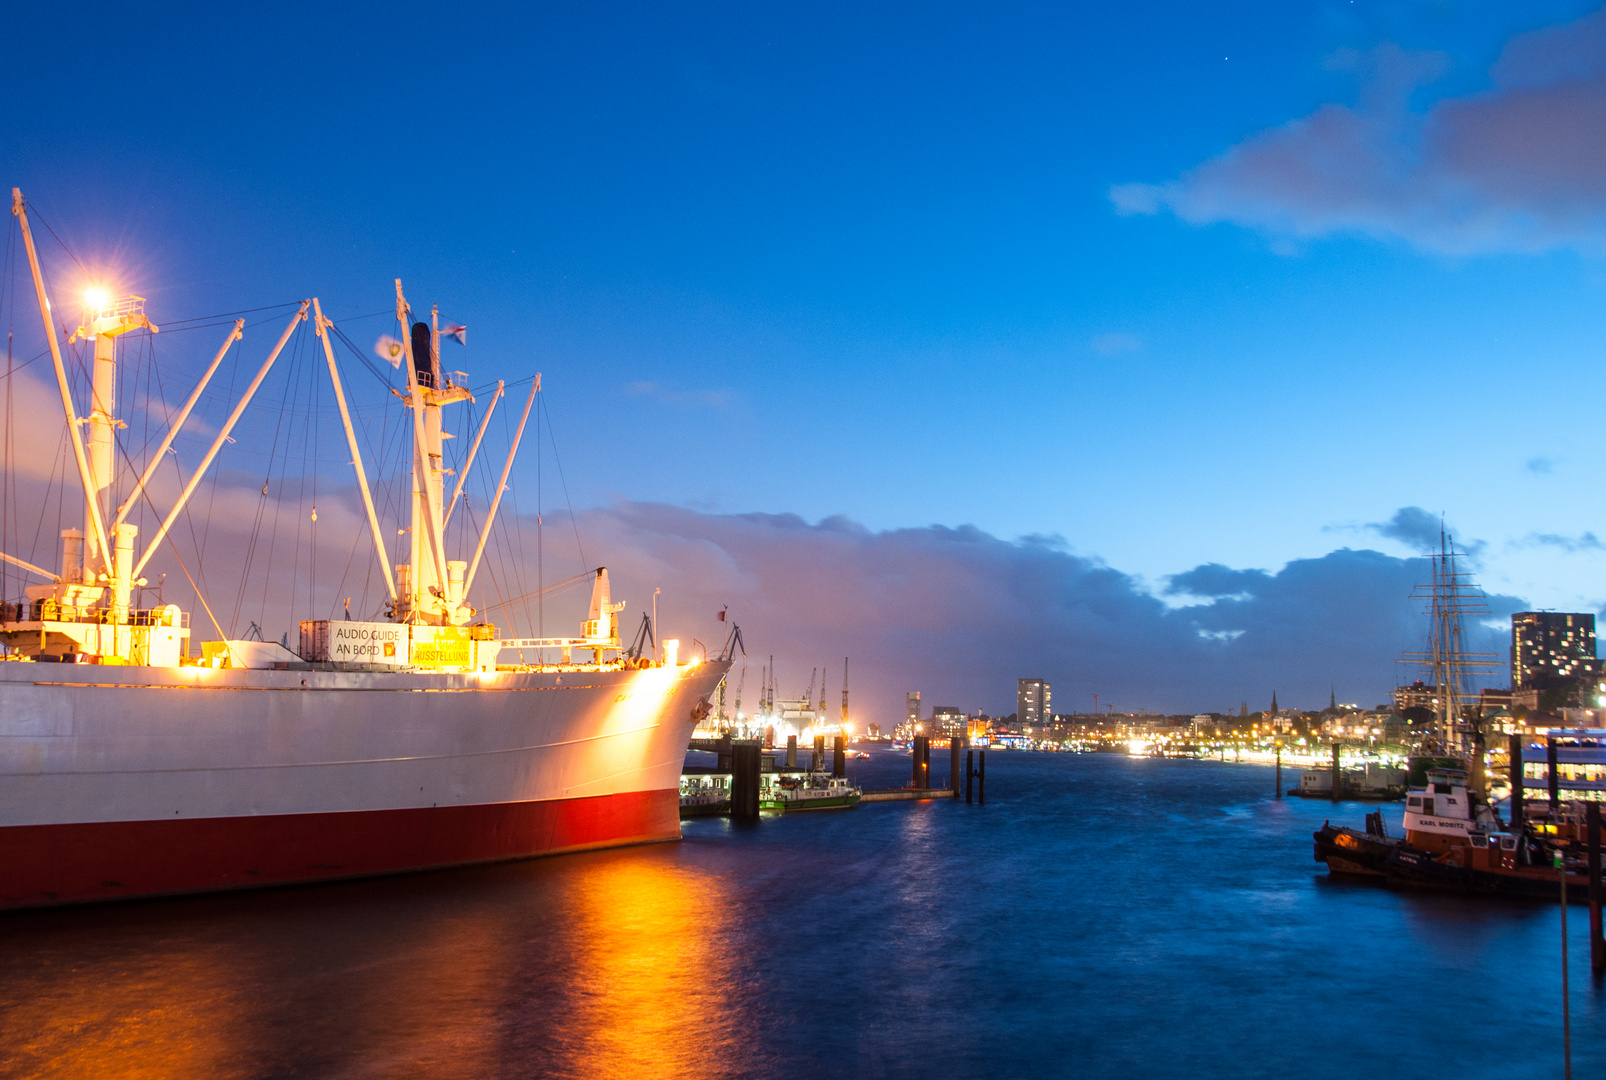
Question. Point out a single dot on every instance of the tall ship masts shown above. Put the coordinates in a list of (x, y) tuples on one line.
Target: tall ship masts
[(1451, 598)]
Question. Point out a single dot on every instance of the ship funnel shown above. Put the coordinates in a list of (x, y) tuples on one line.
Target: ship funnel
[(423, 355)]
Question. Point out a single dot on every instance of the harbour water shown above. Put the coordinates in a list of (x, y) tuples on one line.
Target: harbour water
[(1099, 917)]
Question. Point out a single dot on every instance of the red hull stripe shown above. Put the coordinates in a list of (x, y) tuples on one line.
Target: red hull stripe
[(63, 864)]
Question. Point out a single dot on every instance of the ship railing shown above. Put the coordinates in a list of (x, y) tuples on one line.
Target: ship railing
[(51, 611)]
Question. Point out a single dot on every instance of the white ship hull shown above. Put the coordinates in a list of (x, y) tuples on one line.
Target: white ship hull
[(128, 781)]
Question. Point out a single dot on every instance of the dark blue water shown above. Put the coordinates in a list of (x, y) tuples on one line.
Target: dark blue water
[(1099, 917)]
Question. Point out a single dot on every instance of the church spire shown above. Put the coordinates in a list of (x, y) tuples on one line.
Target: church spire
[(1332, 699), (1274, 703)]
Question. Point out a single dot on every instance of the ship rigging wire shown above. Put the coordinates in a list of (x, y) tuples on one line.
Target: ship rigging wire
[(287, 440)]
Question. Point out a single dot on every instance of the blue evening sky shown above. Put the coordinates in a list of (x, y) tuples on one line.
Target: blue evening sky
[(864, 259)]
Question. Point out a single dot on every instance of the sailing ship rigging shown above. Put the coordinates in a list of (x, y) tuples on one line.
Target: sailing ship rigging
[(1452, 598)]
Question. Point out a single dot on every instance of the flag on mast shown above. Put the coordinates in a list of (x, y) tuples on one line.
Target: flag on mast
[(456, 331), (388, 348)]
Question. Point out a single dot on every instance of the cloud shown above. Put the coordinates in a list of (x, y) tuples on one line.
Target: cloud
[(1541, 465), (1569, 544), (960, 614), (1519, 166), (1215, 580), (1413, 527), (1108, 344)]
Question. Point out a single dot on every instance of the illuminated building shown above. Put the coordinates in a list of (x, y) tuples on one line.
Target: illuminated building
[(1032, 702), (911, 711), (1551, 648), (1418, 695)]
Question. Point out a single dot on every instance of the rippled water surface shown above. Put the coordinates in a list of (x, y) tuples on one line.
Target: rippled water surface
[(1099, 917)]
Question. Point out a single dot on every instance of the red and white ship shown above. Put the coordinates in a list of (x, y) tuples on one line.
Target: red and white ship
[(130, 768)]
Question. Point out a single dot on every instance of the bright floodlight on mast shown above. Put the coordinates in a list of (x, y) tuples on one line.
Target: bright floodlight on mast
[(104, 322), (105, 318)]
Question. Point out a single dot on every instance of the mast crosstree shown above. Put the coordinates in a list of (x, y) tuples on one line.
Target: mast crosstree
[(1451, 598)]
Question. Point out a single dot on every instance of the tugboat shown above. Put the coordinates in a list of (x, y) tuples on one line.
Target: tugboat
[(1454, 840)]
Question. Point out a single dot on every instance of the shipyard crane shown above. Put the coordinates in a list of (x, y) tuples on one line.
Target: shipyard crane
[(844, 694)]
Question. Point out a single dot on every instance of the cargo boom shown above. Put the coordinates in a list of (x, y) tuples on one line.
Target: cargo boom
[(130, 768)]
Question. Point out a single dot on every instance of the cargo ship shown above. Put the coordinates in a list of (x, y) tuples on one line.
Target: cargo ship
[(132, 764)]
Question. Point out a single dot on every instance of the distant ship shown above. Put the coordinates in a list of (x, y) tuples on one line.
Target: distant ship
[(130, 767)]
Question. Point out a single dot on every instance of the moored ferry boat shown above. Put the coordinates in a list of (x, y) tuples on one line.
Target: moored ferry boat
[(704, 795), (131, 766), (787, 792)]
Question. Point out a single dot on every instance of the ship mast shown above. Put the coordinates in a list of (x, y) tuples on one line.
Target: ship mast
[(430, 587), (1451, 597)]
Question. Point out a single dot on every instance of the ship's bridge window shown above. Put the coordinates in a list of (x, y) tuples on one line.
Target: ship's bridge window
[(1508, 843), (1414, 801), (1479, 840)]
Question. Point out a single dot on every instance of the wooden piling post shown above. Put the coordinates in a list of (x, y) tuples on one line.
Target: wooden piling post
[(1554, 775), (981, 779), (953, 764), (746, 762), (791, 751), (1518, 796), (817, 763), (1279, 779), (1597, 944), (922, 762), (1566, 1008), (839, 757), (970, 772), (1338, 777)]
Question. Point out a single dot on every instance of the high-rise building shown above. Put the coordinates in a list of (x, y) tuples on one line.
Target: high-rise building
[(911, 709), (1551, 648), (1032, 708), (947, 720)]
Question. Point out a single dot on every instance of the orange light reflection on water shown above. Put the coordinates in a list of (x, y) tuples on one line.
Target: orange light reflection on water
[(655, 978), (608, 964)]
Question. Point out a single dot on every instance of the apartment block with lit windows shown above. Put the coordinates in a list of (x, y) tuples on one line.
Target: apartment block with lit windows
[(1552, 648), (1032, 708)]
